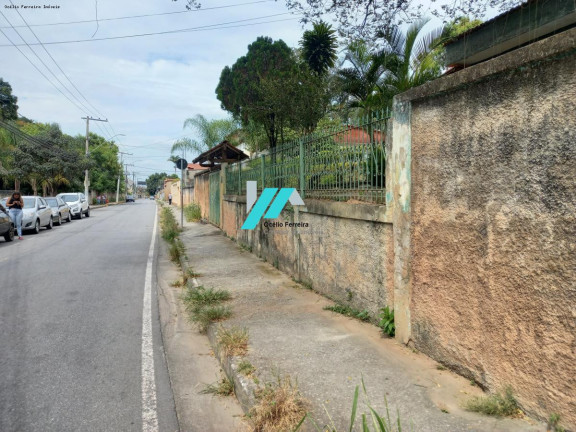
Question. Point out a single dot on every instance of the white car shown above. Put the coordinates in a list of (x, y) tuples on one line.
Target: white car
[(35, 214), (79, 206)]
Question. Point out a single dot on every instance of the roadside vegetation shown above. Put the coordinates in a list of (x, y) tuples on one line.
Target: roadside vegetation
[(348, 311), (500, 404), (204, 306), (192, 212), (232, 341), (224, 387)]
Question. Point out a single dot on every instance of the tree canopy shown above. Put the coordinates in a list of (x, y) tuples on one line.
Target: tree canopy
[(155, 181), (8, 102)]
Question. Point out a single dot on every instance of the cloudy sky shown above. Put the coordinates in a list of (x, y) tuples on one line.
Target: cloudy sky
[(146, 86)]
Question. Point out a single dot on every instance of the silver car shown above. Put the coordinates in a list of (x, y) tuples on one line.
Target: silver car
[(35, 214), (60, 210)]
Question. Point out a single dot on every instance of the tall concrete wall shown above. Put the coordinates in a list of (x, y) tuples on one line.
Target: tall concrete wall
[(202, 193), (493, 226)]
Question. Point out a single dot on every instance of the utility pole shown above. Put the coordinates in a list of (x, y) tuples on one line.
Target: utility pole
[(87, 174), (120, 175)]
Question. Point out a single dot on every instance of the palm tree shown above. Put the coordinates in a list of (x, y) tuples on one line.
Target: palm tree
[(361, 82), (319, 47), (211, 132), (408, 59), (184, 145)]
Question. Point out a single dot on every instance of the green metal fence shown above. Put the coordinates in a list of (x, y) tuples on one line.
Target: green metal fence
[(341, 164)]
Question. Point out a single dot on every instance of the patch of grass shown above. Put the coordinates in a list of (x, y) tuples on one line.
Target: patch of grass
[(168, 225), (246, 368), (497, 405), (203, 317), (176, 283), (553, 425), (349, 312), (224, 387), (440, 367), (232, 341), (280, 407), (387, 321), (276, 263), (176, 250), (246, 247), (190, 273), (197, 298), (192, 212)]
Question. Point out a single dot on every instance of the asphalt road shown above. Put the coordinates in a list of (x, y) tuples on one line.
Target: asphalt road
[(71, 328)]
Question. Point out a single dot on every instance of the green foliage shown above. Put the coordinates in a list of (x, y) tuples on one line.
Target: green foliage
[(155, 181), (8, 102), (192, 212), (224, 387), (271, 88), (387, 321), (319, 47), (232, 341), (168, 225), (497, 405), (349, 312), (246, 368), (197, 298), (205, 316), (210, 133), (553, 423)]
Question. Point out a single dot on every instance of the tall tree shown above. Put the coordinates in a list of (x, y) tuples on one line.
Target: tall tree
[(8, 102), (319, 47), (155, 181)]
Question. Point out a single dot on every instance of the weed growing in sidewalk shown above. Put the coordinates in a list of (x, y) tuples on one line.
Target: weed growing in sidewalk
[(280, 407), (387, 321), (190, 273), (177, 250), (246, 368), (176, 283), (204, 307), (232, 341), (553, 425), (497, 405), (168, 225), (209, 314), (350, 312), (374, 422), (224, 387), (192, 212)]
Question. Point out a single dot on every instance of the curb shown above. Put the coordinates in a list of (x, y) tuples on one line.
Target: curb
[(244, 388)]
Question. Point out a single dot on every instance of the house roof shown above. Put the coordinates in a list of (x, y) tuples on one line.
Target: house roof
[(223, 152), (358, 135), (196, 167)]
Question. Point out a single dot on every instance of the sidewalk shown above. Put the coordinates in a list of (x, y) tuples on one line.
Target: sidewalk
[(326, 353)]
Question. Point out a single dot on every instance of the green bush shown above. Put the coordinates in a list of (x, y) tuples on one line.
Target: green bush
[(168, 225), (192, 212), (350, 312)]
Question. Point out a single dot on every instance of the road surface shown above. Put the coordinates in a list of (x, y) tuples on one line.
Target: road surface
[(77, 337)]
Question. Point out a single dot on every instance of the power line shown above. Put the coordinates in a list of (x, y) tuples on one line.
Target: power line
[(220, 26), (148, 15), (54, 61)]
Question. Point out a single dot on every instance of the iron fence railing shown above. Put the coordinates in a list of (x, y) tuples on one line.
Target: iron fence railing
[(340, 164)]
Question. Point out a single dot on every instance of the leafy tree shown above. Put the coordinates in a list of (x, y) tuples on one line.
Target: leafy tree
[(104, 165), (155, 181), (8, 102), (364, 19), (319, 47), (271, 87)]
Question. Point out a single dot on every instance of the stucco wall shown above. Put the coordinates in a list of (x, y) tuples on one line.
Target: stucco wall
[(494, 231), (348, 260), (202, 193)]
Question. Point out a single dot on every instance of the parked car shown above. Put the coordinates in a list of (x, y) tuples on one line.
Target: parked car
[(35, 214), (60, 210), (79, 206), (130, 198), (6, 225)]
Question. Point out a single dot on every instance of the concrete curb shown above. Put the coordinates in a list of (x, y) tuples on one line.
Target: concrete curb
[(244, 388)]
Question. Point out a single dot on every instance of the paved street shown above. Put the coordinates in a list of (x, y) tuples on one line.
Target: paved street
[(71, 317)]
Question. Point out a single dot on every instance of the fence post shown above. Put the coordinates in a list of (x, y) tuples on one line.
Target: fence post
[(301, 142), (239, 192), (262, 173)]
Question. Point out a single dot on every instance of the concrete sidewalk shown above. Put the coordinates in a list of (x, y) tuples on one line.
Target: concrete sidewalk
[(326, 353)]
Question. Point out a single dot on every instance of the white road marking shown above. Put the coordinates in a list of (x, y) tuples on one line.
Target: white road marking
[(149, 408)]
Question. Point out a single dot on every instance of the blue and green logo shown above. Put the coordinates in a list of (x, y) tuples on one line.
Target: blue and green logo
[(258, 207)]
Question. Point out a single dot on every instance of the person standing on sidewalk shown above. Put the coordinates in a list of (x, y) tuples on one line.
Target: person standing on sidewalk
[(170, 199), (15, 205)]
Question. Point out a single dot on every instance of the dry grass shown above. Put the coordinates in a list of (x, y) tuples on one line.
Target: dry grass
[(280, 407), (232, 341), (224, 387), (498, 405)]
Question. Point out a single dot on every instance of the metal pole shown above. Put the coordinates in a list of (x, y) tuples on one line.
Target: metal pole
[(182, 197)]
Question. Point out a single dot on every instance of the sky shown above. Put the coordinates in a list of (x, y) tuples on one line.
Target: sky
[(145, 86)]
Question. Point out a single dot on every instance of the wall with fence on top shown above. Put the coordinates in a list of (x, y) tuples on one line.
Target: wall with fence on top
[(341, 163)]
